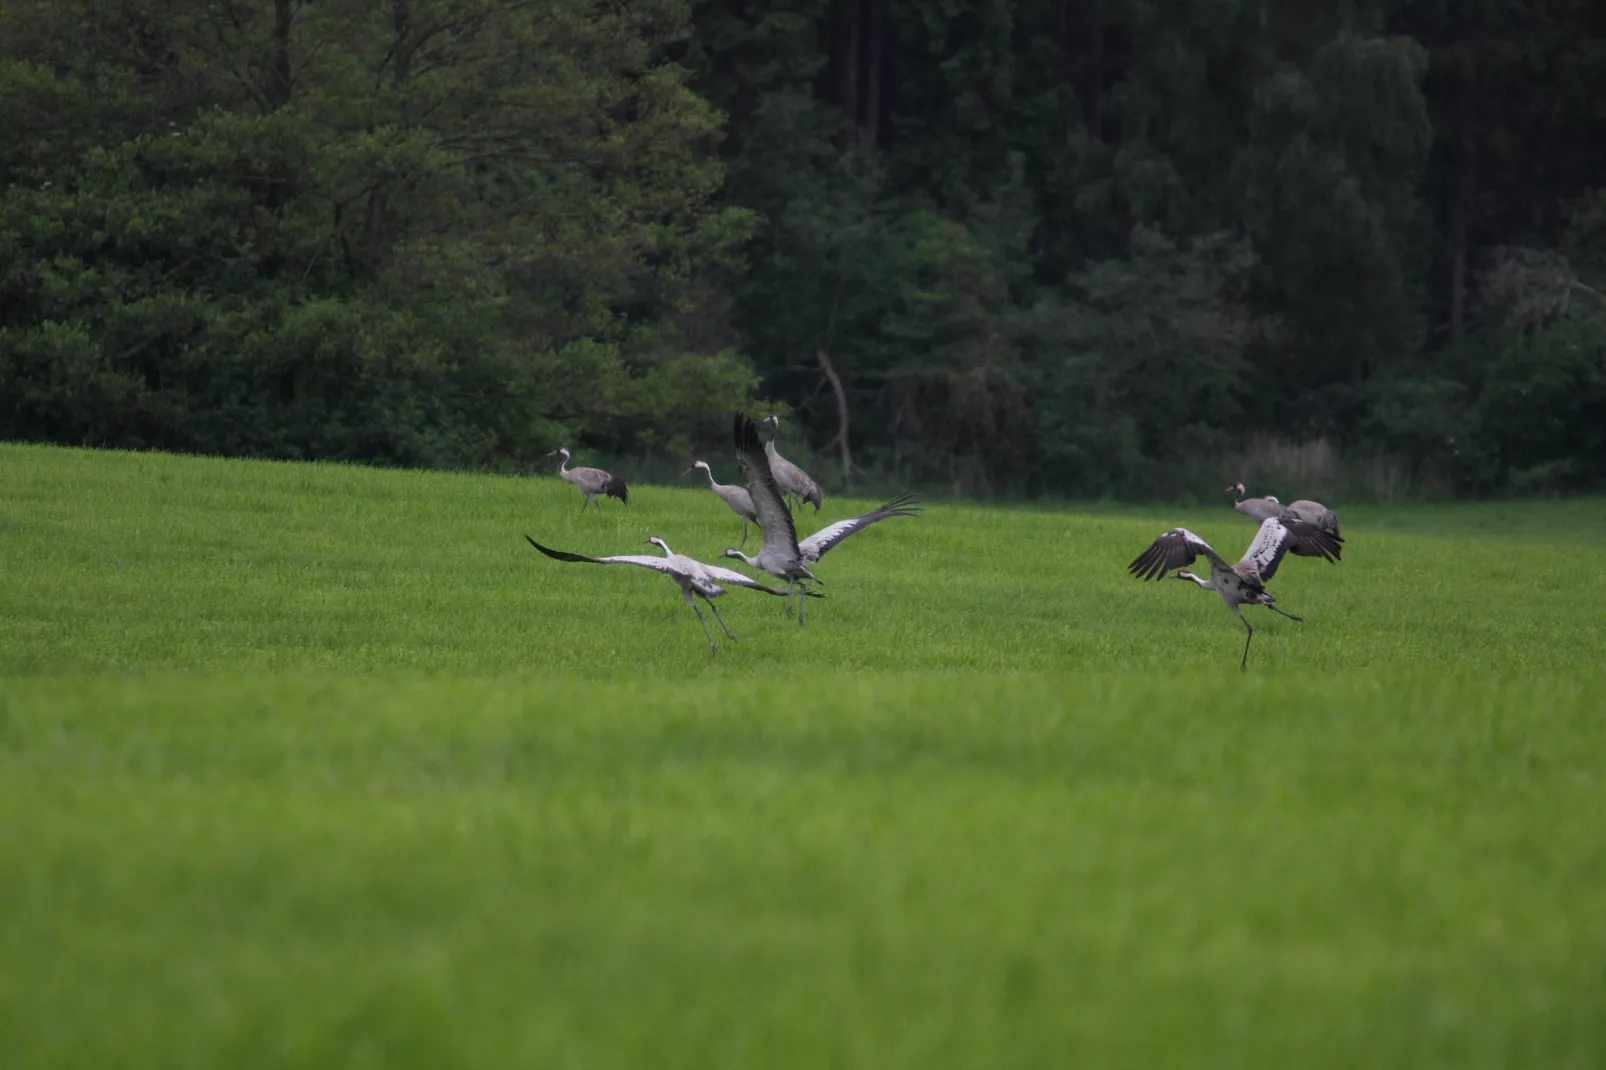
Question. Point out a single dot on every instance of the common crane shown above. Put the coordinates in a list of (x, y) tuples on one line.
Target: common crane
[(591, 481), (691, 576), (814, 547), (779, 554), (1313, 513), (1240, 584), (792, 480), (737, 498)]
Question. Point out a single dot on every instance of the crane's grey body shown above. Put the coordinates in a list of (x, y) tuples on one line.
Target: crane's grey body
[(1315, 514), (1241, 584), (693, 577), (592, 482), (793, 481), (740, 501), (779, 554)]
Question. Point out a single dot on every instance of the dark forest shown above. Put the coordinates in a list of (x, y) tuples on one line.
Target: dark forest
[(1125, 248)]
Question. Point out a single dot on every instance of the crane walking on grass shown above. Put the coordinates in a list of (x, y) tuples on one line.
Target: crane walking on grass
[(591, 481), (793, 481), (737, 498), (1313, 513), (691, 576), (1243, 583)]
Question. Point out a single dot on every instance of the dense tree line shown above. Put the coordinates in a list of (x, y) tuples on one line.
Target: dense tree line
[(1027, 246)]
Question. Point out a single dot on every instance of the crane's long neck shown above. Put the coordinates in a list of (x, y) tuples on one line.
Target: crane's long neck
[(1186, 575), (563, 462), (709, 472), (751, 562)]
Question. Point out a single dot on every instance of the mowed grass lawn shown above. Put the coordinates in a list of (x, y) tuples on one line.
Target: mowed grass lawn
[(307, 765)]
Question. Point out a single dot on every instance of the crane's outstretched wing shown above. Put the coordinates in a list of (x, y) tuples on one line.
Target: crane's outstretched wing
[(725, 575), (1177, 548), (815, 546), (1278, 535), (774, 518), (657, 564)]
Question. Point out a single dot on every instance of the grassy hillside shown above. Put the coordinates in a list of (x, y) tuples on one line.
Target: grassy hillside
[(316, 766)]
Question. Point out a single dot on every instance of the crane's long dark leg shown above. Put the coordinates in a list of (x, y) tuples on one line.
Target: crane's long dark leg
[(585, 501), (802, 596), (1287, 614), (721, 619), (700, 620), (1249, 634), (744, 534)]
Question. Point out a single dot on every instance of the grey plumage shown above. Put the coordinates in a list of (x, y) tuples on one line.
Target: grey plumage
[(591, 481), (792, 480), (740, 501), (779, 554), (1243, 583), (1313, 513), (815, 546), (693, 577)]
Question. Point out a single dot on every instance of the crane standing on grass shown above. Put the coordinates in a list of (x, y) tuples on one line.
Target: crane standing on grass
[(793, 481), (591, 481), (693, 577), (1243, 583), (1313, 513), (737, 498)]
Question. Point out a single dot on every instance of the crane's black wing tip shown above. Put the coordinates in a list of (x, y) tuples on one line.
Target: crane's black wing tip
[(559, 555)]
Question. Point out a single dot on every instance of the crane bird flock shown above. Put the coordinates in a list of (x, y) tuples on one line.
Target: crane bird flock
[(759, 502), (1303, 528)]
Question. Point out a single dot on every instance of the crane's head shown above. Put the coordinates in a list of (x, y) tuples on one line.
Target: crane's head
[(561, 451), (733, 552), (653, 540), (1236, 488), (696, 465), (1184, 574)]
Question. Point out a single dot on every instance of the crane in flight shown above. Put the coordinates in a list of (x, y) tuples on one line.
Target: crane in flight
[(691, 576), (1241, 584)]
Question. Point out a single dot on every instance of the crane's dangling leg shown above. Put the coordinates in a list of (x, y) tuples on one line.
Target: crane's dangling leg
[(585, 501), (721, 620), (744, 534), (1287, 614), (700, 620), (802, 596), (1249, 634), (788, 598)]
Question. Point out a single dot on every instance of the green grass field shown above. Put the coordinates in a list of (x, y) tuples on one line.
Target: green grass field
[(309, 765)]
